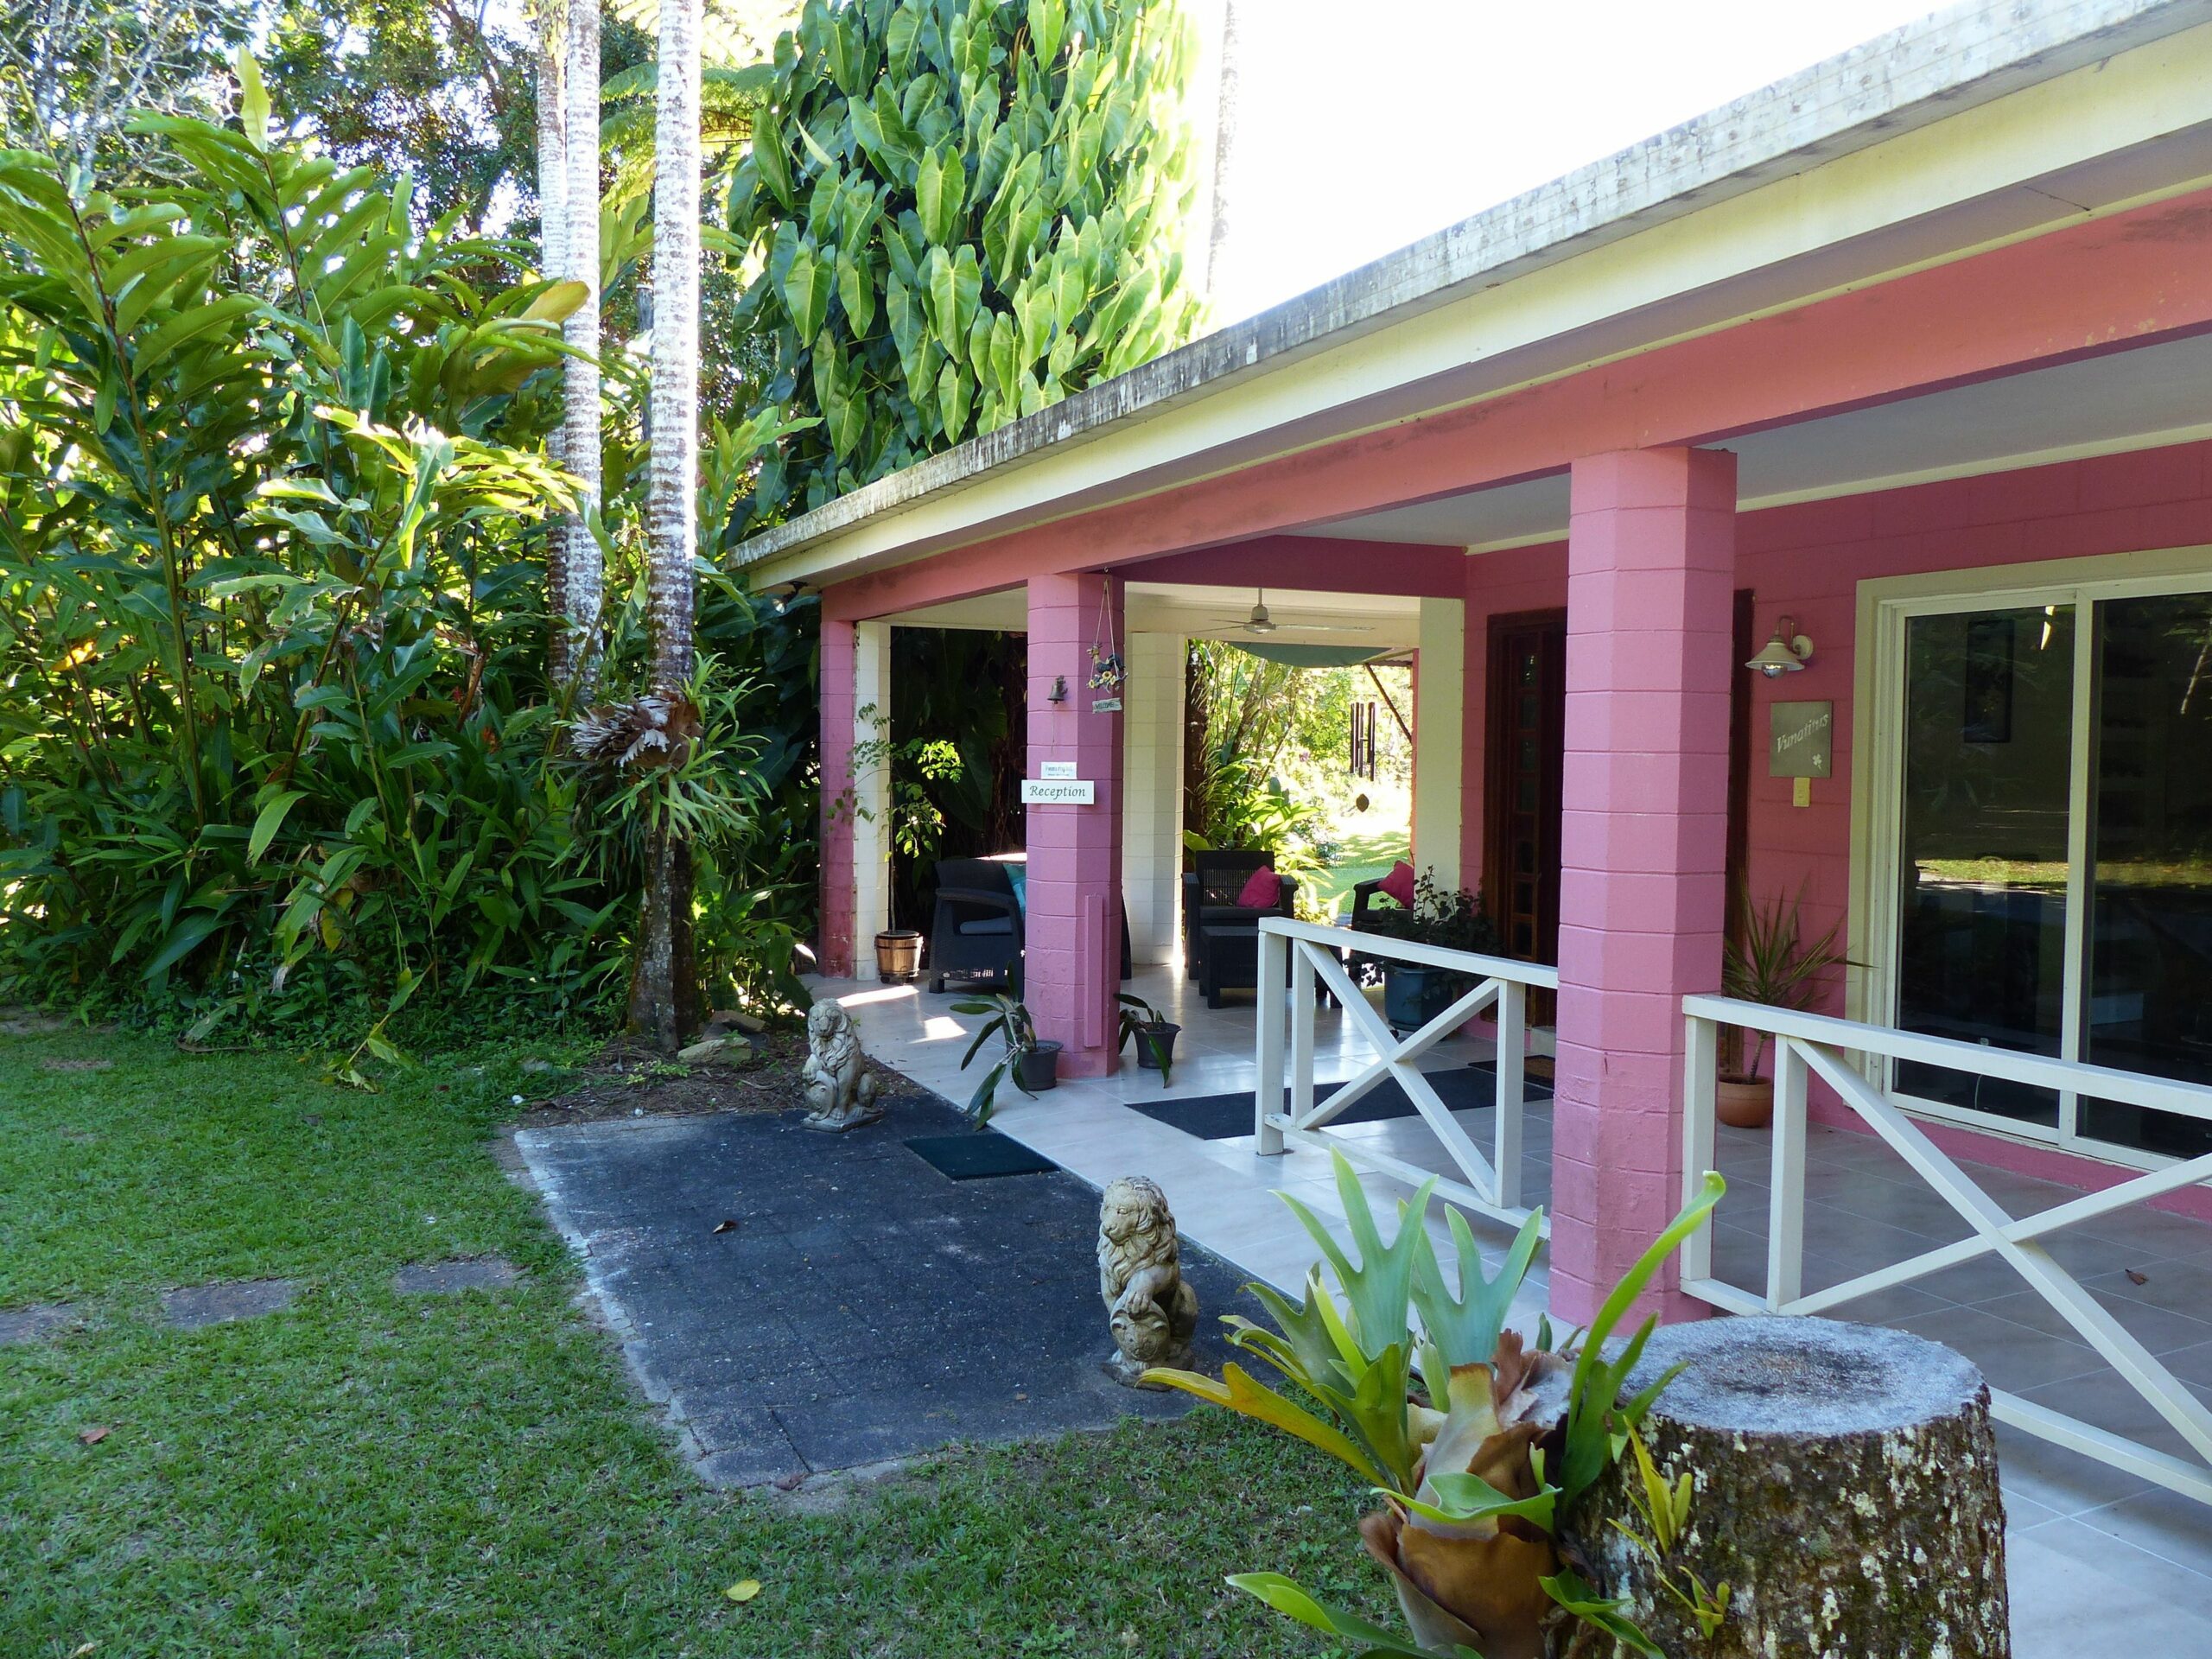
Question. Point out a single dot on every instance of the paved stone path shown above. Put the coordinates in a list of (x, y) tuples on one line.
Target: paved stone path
[(195, 1305), (35, 1323), (190, 1307), (864, 1307), (451, 1278)]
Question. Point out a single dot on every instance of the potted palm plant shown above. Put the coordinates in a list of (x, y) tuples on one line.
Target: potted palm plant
[(1028, 1059), (1766, 960), (917, 825), (1154, 1032)]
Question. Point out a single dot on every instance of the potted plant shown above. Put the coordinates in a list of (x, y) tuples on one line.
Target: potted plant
[(1765, 960), (1154, 1032), (1412, 993), (917, 825), (1029, 1060)]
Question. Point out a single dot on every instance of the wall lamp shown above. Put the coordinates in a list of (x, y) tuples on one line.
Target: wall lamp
[(1786, 653)]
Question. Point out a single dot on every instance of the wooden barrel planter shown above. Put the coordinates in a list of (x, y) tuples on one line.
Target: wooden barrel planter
[(1844, 1490)]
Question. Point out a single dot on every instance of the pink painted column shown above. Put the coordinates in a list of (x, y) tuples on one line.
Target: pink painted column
[(838, 661), (1650, 571), (1073, 924)]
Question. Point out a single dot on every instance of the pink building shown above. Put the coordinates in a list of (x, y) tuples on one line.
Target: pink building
[(1909, 357)]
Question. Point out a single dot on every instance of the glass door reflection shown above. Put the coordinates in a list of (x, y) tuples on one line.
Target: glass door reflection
[(1988, 746), (2148, 1002)]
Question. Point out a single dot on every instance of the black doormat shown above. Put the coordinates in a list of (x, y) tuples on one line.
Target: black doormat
[(1224, 1117), (978, 1155)]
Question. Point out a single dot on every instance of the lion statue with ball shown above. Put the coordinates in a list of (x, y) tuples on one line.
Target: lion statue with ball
[(839, 1086), (1152, 1309)]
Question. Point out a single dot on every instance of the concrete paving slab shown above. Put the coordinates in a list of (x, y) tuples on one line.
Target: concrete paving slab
[(451, 1278), (36, 1323), (195, 1305)]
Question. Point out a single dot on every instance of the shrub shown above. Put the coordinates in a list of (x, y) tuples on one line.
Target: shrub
[(272, 723)]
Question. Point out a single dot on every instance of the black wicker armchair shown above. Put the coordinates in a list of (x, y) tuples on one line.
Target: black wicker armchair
[(1211, 889), (976, 929)]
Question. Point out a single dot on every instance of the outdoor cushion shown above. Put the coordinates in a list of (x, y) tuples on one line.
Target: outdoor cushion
[(1399, 884), (989, 925), (1262, 892)]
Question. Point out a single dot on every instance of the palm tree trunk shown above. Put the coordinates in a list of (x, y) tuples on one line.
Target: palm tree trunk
[(672, 503), (582, 575), (552, 19), (1225, 148), (662, 991)]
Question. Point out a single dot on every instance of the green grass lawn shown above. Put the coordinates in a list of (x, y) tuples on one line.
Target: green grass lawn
[(1360, 857), (472, 1476)]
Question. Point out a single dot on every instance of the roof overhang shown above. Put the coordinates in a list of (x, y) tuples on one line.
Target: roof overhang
[(1984, 124)]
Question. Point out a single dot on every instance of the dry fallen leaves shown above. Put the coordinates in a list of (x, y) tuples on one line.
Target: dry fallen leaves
[(744, 1590), (791, 1482), (725, 1225), (2135, 1278), (94, 1435)]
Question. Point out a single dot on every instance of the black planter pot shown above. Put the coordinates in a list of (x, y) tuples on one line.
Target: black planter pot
[(1413, 995), (1034, 1068), (1155, 1041)]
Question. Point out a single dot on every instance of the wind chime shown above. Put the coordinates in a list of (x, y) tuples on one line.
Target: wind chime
[(1107, 671)]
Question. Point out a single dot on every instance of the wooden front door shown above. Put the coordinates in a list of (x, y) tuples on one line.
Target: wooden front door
[(1526, 739), (1526, 744)]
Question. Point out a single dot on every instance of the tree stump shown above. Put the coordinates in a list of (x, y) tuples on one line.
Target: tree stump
[(1845, 1488)]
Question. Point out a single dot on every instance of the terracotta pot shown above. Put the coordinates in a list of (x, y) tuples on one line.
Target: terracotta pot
[(1745, 1102), (897, 955)]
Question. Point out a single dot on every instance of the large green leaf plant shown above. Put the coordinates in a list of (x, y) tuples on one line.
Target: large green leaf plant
[(953, 213), (1479, 1445), (270, 470)]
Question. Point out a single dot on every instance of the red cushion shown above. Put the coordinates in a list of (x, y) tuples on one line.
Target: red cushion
[(1262, 892), (1399, 884)]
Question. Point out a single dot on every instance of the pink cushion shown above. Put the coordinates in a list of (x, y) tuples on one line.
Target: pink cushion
[(1399, 884), (1262, 892)]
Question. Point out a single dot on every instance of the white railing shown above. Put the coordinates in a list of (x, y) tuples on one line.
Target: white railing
[(1311, 956), (1808, 1046)]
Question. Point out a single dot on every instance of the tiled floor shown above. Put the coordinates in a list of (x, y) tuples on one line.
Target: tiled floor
[(2090, 1550)]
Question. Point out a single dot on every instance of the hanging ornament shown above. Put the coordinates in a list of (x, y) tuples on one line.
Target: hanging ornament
[(1106, 672)]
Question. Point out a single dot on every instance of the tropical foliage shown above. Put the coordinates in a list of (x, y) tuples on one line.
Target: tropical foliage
[(275, 734), (1480, 1446), (959, 212)]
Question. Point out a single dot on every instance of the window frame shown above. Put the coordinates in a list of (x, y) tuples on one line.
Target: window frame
[(1886, 607)]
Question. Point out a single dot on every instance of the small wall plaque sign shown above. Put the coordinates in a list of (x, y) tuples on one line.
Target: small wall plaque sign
[(1058, 792), (1055, 769), (1802, 740)]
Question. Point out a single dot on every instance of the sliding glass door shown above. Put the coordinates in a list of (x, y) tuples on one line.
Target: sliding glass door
[(2051, 786), (2147, 998)]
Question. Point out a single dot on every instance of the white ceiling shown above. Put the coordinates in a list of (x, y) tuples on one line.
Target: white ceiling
[(2124, 400)]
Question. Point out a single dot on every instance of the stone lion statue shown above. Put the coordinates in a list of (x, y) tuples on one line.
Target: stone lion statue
[(1152, 1309), (839, 1086)]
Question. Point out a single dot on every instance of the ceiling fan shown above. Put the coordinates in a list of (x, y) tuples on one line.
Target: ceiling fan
[(1259, 622)]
